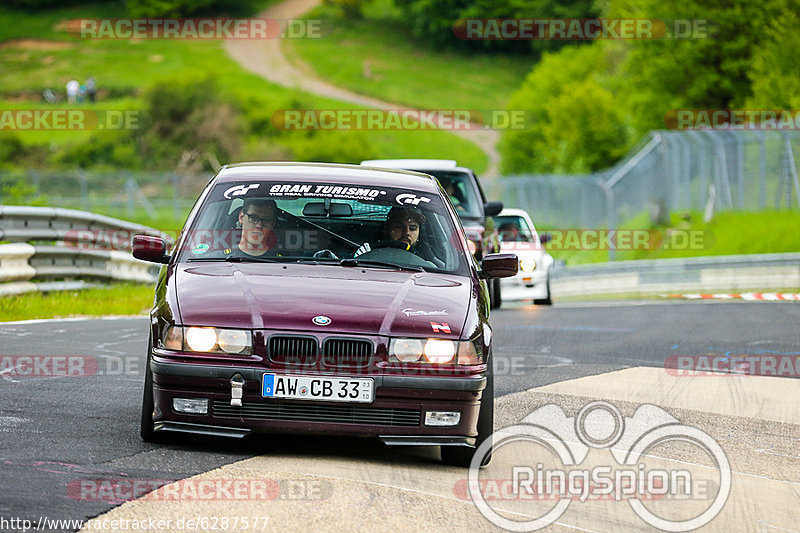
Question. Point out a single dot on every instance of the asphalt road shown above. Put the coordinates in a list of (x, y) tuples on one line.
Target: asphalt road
[(57, 432)]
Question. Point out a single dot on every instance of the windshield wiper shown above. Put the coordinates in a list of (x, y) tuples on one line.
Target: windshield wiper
[(236, 259), (381, 264)]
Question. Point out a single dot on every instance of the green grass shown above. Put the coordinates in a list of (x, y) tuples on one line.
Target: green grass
[(45, 24), (728, 233), (124, 68), (115, 299), (377, 56)]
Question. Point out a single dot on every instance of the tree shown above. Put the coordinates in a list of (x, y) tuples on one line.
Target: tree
[(775, 72), (574, 122)]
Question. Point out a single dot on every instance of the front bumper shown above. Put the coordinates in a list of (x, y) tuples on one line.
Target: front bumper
[(396, 415), (525, 286)]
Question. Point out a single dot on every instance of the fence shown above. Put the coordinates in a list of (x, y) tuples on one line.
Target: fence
[(695, 274), (123, 193), (706, 171), (62, 244)]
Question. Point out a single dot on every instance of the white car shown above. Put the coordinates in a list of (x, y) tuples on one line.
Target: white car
[(519, 236)]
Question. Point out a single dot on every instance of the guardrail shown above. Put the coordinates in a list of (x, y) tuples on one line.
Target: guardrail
[(694, 274), (79, 246)]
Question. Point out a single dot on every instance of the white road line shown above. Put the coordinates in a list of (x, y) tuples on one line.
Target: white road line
[(71, 319)]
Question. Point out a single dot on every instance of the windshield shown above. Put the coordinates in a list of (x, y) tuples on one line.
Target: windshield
[(514, 228), (462, 192), (346, 224)]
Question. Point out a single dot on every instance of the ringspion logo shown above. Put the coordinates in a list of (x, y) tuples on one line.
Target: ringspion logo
[(557, 461)]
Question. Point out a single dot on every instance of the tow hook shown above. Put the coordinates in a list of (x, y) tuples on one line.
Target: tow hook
[(237, 390)]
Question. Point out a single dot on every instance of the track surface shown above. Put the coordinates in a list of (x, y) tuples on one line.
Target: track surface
[(57, 431)]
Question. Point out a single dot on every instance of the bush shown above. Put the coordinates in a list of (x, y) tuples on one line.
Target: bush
[(350, 9), (330, 146), (432, 21), (775, 74), (189, 8), (102, 149), (188, 116), (41, 5)]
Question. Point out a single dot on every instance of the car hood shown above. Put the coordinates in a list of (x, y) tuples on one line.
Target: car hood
[(288, 296)]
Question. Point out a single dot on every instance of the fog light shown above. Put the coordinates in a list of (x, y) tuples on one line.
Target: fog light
[(191, 406), (442, 418)]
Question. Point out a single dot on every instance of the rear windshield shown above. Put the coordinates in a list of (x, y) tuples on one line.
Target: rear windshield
[(461, 190), (297, 221)]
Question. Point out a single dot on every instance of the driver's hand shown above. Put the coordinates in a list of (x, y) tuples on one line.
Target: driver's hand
[(325, 254), (364, 248)]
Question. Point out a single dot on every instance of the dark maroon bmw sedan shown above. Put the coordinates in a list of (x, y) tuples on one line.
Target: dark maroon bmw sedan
[(327, 299)]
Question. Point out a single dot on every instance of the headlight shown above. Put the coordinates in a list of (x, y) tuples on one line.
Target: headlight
[(201, 339), (406, 350), (527, 264), (172, 338), (208, 340), (436, 351), (440, 351), (232, 340)]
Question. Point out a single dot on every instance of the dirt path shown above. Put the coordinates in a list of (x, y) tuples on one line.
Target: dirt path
[(266, 59)]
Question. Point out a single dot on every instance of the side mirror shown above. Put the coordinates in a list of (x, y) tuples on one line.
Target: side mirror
[(492, 209), (544, 238), (499, 266), (148, 248)]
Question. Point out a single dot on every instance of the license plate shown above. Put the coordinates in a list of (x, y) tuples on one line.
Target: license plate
[(358, 390)]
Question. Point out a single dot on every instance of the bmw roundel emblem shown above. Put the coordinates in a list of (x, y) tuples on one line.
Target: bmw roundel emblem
[(321, 320)]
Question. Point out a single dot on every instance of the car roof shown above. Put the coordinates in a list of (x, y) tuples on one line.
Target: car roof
[(327, 172), (415, 164), (510, 211)]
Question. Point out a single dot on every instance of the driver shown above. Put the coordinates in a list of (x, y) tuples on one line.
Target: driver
[(402, 227)]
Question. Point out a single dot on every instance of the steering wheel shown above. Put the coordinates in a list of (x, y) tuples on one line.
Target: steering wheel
[(389, 243), (395, 252)]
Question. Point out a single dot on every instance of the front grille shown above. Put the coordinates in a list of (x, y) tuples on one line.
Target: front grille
[(346, 353), (293, 350), (306, 412)]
